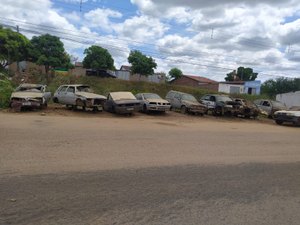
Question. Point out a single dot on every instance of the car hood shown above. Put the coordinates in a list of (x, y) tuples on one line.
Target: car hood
[(159, 100), (192, 103), (127, 101), (27, 94), (89, 95), (294, 113)]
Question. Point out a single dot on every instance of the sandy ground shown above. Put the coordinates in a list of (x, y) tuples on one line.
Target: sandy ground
[(65, 167)]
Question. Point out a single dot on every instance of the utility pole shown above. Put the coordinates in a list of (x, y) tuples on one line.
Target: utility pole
[(80, 5), (18, 65)]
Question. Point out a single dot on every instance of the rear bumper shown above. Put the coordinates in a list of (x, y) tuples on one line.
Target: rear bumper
[(285, 118)]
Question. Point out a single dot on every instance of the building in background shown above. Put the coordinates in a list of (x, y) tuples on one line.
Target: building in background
[(240, 87), (196, 81), (124, 73)]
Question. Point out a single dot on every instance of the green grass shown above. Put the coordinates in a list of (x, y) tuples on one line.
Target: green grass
[(105, 85)]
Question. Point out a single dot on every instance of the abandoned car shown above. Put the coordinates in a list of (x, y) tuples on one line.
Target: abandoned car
[(269, 107), (186, 103), (247, 109), (220, 104), (122, 103), (78, 95), (29, 96), (288, 116), (153, 102)]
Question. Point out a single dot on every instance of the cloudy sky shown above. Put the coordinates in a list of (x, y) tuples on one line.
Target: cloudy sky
[(200, 37)]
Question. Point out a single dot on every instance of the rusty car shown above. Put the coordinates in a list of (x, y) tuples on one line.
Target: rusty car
[(186, 103), (122, 102), (153, 102), (269, 107), (247, 109), (78, 95), (32, 96)]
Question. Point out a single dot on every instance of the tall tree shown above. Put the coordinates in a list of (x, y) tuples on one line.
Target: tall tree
[(244, 74), (280, 85), (98, 58), (175, 73), (13, 47), (141, 64), (49, 51)]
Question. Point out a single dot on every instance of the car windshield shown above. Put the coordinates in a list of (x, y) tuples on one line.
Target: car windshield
[(122, 96), (84, 89), (278, 104), (30, 88), (223, 99), (151, 96), (190, 98)]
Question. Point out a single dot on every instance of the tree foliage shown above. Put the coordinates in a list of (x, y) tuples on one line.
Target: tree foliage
[(280, 85), (244, 74), (141, 64), (98, 58), (175, 73), (13, 47), (49, 51)]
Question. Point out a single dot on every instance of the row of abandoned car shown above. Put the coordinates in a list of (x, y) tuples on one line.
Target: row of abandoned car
[(77, 95)]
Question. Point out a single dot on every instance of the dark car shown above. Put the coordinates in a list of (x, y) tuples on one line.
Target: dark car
[(288, 116), (122, 103), (220, 104)]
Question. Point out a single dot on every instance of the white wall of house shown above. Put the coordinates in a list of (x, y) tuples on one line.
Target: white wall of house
[(289, 99), (231, 88)]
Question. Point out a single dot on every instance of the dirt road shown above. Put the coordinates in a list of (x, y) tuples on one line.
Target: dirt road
[(172, 169)]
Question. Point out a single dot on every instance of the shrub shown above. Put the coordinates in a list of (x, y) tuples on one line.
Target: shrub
[(6, 88)]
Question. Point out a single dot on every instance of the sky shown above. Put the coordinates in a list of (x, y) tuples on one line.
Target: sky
[(200, 37)]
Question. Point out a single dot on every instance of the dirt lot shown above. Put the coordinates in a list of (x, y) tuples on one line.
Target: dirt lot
[(66, 167)]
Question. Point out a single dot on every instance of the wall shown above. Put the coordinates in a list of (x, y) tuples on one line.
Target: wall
[(125, 75), (78, 71), (289, 99), (255, 85), (226, 87)]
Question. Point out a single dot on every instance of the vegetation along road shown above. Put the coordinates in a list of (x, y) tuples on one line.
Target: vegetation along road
[(82, 168)]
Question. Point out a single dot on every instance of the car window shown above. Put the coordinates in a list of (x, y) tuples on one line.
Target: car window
[(266, 103), (170, 95), (63, 89), (71, 89), (212, 98), (177, 95), (139, 97), (206, 97)]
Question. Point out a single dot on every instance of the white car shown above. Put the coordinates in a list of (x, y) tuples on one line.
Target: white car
[(74, 95), (290, 116), (153, 102)]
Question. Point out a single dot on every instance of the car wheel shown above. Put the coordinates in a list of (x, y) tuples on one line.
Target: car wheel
[(183, 109), (55, 100), (218, 111), (81, 103), (279, 122)]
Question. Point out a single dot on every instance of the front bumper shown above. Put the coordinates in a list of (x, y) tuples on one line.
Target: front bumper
[(160, 108), (127, 109)]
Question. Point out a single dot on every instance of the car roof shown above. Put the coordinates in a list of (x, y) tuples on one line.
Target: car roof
[(25, 85)]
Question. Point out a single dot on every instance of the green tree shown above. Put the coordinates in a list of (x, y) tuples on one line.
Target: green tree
[(244, 74), (98, 58), (141, 64), (175, 73), (49, 51), (13, 47), (280, 85)]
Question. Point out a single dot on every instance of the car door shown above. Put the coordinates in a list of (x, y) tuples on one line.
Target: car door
[(61, 94), (266, 106), (70, 97), (206, 100), (108, 104), (177, 101)]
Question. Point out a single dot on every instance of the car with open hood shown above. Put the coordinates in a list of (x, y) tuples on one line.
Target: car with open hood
[(186, 103), (288, 116), (30, 96), (153, 102), (220, 104), (122, 102), (78, 95), (269, 107)]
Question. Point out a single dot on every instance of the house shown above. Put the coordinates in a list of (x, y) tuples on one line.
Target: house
[(289, 99), (240, 87), (124, 73), (196, 81)]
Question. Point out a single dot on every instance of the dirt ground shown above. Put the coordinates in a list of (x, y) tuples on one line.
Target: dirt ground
[(72, 167)]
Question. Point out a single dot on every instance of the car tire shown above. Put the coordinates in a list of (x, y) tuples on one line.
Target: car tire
[(55, 100), (183, 109), (279, 122), (81, 103), (218, 111)]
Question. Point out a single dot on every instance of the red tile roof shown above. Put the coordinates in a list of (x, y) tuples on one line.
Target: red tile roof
[(201, 79)]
